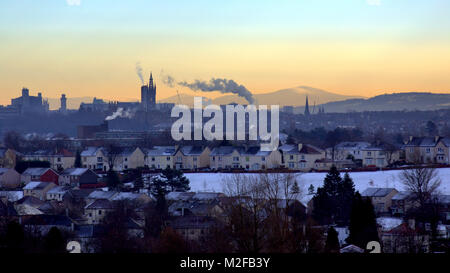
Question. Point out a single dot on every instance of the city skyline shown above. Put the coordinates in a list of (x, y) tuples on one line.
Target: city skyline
[(90, 48)]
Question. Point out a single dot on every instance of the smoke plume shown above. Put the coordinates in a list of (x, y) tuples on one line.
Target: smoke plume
[(221, 85), (121, 113), (139, 72)]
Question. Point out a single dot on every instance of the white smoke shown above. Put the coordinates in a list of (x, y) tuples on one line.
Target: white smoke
[(139, 72), (121, 113)]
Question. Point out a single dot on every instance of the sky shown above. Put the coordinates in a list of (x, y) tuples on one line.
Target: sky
[(351, 47)]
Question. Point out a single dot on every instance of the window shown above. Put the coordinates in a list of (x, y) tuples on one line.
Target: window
[(291, 165), (179, 158), (220, 158), (236, 158), (291, 157), (59, 159), (99, 212), (126, 167), (126, 159), (195, 159), (263, 159), (214, 158), (303, 157), (369, 153), (153, 158), (428, 150), (411, 150), (99, 159), (168, 158), (247, 159)]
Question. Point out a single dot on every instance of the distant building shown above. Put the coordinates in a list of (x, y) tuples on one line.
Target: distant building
[(89, 131), (30, 104), (148, 95), (63, 107), (307, 113)]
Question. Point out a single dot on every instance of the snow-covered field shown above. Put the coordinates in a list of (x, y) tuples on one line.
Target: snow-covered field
[(214, 182)]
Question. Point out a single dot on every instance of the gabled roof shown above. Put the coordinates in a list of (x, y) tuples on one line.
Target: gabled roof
[(12, 196), (35, 171), (102, 194), (59, 190), (377, 192), (310, 149), (80, 193), (226, 150), (162, 151), (179, 195), (256, 151), (92, 151), (30, 201), (36, 185), (352, 145), (207, 195), (74, 171), (427, 141), (100, 204), (192, 150)]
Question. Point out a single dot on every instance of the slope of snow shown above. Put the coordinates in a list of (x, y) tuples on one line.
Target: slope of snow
[(214, 182)]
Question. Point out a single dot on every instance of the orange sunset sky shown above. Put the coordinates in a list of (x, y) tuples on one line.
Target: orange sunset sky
[(351, 47)]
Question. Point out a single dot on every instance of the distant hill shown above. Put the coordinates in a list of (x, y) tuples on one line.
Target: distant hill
[(291, 96), (392, 102)]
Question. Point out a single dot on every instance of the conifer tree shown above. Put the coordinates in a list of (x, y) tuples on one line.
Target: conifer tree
[(363, 224), (332, 243)]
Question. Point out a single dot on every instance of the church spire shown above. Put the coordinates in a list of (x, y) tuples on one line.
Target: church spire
[(307, 107)]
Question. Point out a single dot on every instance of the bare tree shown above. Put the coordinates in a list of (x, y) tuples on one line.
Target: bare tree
[(422, 182)]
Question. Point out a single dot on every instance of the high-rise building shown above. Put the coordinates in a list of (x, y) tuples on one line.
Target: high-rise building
[(148, 95)]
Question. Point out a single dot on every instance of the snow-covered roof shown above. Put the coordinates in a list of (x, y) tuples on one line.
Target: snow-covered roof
[(36, 185), (192, 150), (92, 151), (350, 145), (35, 171), (74, 171), (58, 190), (12, 196), (101, 194), (377, 192), (162, 151), (388, 223)]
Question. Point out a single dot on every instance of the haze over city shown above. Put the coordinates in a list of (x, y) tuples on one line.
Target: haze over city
[(355, 47)]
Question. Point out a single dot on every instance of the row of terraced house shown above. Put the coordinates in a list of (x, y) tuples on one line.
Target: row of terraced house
[(302, 157)]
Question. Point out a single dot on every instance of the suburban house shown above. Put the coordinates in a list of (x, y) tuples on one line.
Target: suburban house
[(160, 157), (406, 238), (9, 178), (347, 150), (428, 150), (57, 193), (40, 174), (226, 157), (301, 157), (97, 210), (58, 160), (254, 159), (381, 198), (129, 158), (77, 177), (191, 157), (95, 158), (402, 202), (193, 228), (7, 158), (38, 189), (249, 158)]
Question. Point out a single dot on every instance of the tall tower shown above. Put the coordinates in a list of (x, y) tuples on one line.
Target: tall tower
[(63, 107), (307, 113), (151, 92)]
